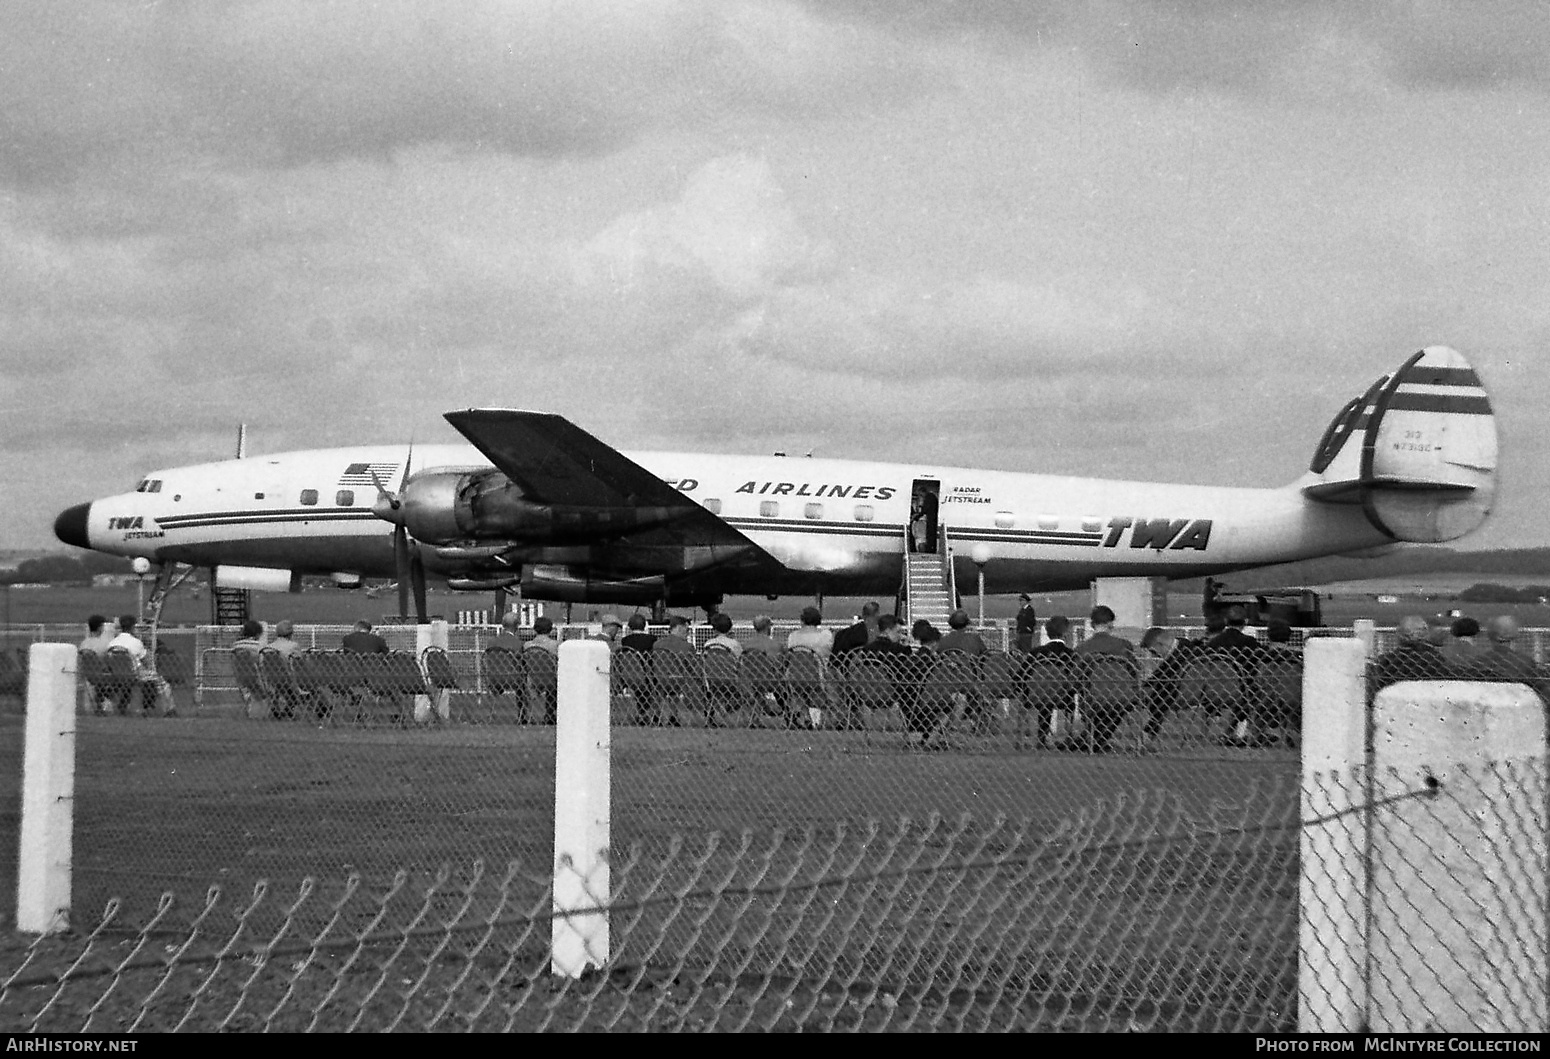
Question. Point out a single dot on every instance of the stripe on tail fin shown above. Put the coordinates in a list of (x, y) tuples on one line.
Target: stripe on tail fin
[(1417, 451)]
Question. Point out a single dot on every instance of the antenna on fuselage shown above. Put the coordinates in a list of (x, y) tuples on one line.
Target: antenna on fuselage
[(242, 440)]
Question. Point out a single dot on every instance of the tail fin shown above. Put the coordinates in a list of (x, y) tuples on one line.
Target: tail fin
[(1417, 451)]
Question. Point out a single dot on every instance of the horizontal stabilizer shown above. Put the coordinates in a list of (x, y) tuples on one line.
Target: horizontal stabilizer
[(1417, 451)]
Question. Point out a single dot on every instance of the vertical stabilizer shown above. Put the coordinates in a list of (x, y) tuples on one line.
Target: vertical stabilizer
[(1417, 451)]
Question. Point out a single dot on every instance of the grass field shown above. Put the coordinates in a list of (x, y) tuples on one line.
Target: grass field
[(1111, 871)]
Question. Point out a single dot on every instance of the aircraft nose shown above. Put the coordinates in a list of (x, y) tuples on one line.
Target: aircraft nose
[(70, 526)]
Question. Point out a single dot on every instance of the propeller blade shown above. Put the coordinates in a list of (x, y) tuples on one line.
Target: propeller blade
[(417, 579), (408, 462), (401, 567)]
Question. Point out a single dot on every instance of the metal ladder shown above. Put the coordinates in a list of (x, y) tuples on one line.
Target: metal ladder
[(928, 586)]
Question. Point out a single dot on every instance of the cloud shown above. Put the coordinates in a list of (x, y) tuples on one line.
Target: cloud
[(1258, 50), (292, 82)]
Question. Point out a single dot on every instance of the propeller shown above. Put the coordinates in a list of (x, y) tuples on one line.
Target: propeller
[(406, 554)]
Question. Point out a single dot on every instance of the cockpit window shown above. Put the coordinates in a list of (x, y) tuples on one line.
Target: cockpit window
[(149, 485)]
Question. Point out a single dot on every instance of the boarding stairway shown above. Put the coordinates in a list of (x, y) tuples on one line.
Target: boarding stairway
[(230, 606), (928, 586)]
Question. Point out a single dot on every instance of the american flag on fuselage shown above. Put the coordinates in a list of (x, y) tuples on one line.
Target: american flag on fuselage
[(360, 474)]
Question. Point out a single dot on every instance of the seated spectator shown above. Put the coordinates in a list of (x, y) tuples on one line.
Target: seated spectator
[(151, 684), (677, 639), (637, 638), (1100, 636), (1460, 650), (812, 636), (98, 635), (363, 641), (925, 636), (763, 639), (721, 624), (959, 637), (543, 638), (863, 632), (285, 639), (1501, 661), (252, 640), (508, 639), (609, 628), (1414, 658)]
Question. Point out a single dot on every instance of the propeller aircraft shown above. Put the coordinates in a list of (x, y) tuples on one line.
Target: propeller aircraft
[(536, 503)]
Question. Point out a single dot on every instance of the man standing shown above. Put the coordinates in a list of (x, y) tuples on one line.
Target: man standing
[(1027, 624)]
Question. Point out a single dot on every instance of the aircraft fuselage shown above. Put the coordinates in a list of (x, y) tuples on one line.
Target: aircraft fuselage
[(835, 526)]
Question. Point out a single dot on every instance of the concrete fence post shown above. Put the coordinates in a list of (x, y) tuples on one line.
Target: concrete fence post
[(432, 634), (48, 791), (1332, 889), (1459, 860), (579, 937)]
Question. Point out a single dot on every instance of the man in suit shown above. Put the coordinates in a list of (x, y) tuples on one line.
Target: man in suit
[(1244, 729), (1027, 624), (1053, 682), (1103, 714), (858, 635), (364, 641)]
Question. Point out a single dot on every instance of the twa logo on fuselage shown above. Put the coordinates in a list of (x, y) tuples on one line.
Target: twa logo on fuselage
[(1177, 534), (126, 522)]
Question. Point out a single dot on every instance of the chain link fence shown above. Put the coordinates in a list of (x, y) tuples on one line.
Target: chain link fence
[(337, 841)]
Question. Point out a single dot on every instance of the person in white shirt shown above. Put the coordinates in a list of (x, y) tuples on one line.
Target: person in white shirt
[(723, 640), (284, 638), (130, 643), (812, 636)]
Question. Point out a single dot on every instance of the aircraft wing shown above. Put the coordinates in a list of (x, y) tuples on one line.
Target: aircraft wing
[(556, 462)]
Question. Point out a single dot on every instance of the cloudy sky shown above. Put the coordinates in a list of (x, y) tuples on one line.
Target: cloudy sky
[(1133, 239)]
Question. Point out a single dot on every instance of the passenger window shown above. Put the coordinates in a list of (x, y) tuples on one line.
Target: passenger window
[(1004, 520), (1091, 524), (345, 497), (713, 505), (813, 511), (309, 497), (769, 508), (1048, 522), (865, 513)]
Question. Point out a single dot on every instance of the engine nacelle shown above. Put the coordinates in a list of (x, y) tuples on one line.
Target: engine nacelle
[(458, 507), (563, 585)]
